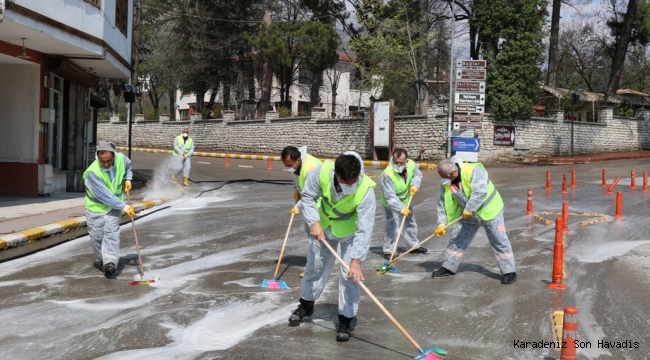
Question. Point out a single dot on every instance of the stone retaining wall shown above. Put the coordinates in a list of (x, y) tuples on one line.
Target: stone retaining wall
[(534, 137)]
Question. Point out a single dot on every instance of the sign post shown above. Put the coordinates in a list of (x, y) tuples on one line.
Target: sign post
[(381, 126)]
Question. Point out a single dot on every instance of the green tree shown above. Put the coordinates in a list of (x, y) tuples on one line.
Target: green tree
[(285, 44), (511, 32)]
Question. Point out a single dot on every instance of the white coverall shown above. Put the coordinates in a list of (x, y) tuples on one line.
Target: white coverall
[(320, 261), (393, 216), (462, 236), (186, 161), (104, 227)]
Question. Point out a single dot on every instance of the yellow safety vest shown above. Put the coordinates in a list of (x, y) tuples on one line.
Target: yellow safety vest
[(342, 216), (307, 166), (401, 186), (114, 187), (179, 141), (490, 208)]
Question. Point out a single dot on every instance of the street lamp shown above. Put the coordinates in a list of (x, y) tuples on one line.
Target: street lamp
[(451, 77), (575, 98)]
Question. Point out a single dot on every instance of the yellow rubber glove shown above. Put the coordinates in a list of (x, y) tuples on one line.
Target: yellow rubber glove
[(127, 186), (128, 210), (295, 210), (441, 230), (467, 213), (413, 190), (406, 211), (184, 156), (296, 195)]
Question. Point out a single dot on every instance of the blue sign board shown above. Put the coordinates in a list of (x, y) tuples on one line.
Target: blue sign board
[(466, 144)]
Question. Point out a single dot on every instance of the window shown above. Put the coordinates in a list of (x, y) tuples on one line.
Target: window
[(55, 130), (184, 114), (97, 3), (121, 15)]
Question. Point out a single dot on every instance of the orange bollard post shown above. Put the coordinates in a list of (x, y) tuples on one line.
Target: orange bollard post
[(633, 180), (529, 204), (227, 164), (269, 161), (569, 333), (558, 257), (563, 184), (565, 216), (548, 180), (573, 178), (619, 205), (604, 178), (611, 187), (645, 182)]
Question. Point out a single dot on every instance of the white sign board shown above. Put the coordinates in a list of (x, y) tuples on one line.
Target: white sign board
[(467, 156), (381, 110)]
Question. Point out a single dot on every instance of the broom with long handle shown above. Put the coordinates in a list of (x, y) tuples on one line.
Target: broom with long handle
[(275, 283), (416, 246), (386, 265), (424, 354), (142, 280)]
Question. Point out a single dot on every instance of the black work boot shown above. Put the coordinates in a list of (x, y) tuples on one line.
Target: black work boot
[(109, 269), (305, 309), (442, 272), (343, 331), (509, 278), (420, 250), (99, 265)]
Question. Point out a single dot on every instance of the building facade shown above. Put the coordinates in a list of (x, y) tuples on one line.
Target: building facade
[(51, 54)]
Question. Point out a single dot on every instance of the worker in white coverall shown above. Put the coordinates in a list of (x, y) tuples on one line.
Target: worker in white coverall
[(298, 163), (400, 180), (338, 204), (106, 180), (467, 191), (184, 145)]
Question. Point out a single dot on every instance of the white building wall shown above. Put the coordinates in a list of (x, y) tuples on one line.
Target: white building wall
[(19, 118)]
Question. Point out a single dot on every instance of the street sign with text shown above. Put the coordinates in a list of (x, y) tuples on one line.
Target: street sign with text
[(469, 98), (504, 135), (465, 144), (462, 117), (468, 125), (471, 63), (470, 74), (469, 109), (470, 86)]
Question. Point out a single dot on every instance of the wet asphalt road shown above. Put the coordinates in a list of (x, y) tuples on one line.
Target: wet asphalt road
[(212, 252)]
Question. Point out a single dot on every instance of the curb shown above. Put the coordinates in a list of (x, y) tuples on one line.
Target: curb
[(30, 235), (425, 166)]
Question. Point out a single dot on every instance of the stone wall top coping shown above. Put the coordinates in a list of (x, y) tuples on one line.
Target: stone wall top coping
[(585, 123), (245, 122), (148, 121), (406, 117), (335, 120), (291, 118), (541, 118), (182, 122), (208, 121)]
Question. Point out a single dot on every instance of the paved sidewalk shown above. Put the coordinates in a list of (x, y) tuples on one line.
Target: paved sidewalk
[(423, 165), (25, 220), (590, 158)]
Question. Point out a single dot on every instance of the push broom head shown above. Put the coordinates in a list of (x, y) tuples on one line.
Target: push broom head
[(386, 267), (432, 353), (274, 284), (144, 281)]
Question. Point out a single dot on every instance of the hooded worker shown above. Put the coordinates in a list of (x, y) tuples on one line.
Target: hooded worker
[(338, 204), (400, 180), (184, 145), (106, 180), (467, 191)]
